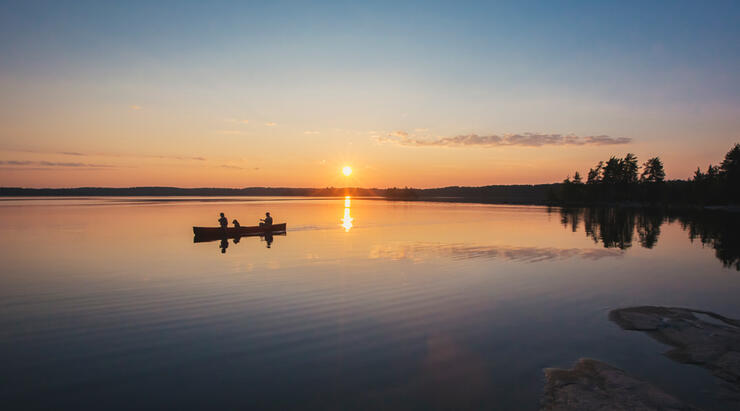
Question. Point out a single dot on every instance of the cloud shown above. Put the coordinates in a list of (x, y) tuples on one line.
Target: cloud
[(421, 130), (51, 164), (244, 121), (493, 140), (79, 154), (135, 107), (606, 140), (233, 167), (310, 132), (17, 163), (171, 157), (270, 124)]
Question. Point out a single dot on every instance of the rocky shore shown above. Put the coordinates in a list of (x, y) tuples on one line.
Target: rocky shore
[(698, 337), (594, 385)]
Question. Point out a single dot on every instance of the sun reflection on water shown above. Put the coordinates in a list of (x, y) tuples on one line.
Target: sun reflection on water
[(347, 219)]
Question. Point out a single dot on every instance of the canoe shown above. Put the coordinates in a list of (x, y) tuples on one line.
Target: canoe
[(236, 232)]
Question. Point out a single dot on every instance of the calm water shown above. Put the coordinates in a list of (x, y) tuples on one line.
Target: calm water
[(108, 303)]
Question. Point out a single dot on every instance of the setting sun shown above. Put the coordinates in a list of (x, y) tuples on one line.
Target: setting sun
[(347, 170)]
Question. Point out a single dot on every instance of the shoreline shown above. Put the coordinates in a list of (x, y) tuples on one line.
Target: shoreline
[(732, 208)]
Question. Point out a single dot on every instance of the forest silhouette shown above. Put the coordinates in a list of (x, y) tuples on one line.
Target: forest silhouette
[(619, 180)]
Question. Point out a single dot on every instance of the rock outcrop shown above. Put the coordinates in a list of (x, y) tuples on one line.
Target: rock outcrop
[(698, 337), (594, 385)]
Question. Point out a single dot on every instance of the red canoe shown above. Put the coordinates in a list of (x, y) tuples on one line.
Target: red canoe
[(236, 232)]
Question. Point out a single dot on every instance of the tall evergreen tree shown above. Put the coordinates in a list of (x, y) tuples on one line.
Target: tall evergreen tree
[(577, 178), (730, 167), (713, 173), (628, 169), (729, 173), (698, 175), (652, 171), (594, 174), (612, 171)]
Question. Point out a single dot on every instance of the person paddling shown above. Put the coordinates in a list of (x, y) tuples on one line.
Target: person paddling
[(223, 222), (267, 220)]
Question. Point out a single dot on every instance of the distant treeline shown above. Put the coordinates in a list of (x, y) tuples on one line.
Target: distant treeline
[(495, 194), (515, 194), (199, 192), (623, 180)]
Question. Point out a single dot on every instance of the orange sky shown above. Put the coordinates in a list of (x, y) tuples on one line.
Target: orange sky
[(319, 164), (238, 96)]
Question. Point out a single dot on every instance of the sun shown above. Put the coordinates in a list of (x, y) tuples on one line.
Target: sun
[(347, 170)]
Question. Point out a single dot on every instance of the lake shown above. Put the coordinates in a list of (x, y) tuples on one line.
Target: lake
[(108, 303)]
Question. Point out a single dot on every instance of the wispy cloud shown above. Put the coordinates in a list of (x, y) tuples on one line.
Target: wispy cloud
[(400, 134), (494, 140), (51, 164), (80, 154), (270, 124), (16, 162), (233, 167), (135, 107), (196, 158), (310, 132)]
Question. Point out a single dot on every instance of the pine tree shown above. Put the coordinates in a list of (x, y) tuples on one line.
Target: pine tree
[(652, 171)]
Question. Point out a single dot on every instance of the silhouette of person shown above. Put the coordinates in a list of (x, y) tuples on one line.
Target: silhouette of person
[(224, 245), (268, 238), (236, 223), (223, 222), (267, 220)]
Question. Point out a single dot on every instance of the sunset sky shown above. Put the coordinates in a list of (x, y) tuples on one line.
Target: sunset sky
[(424, 94)]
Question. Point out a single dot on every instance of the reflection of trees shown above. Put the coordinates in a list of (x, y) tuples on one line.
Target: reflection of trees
[(648, 228), (615, 228), (720, 231)]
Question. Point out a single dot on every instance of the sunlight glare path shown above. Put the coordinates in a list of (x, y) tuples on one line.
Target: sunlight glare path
[(347, 219)]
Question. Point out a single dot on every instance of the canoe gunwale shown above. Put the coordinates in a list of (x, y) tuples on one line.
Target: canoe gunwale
[(237, 231)]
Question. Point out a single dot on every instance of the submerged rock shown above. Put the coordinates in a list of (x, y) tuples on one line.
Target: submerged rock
[(594, 385), (699, 337)]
